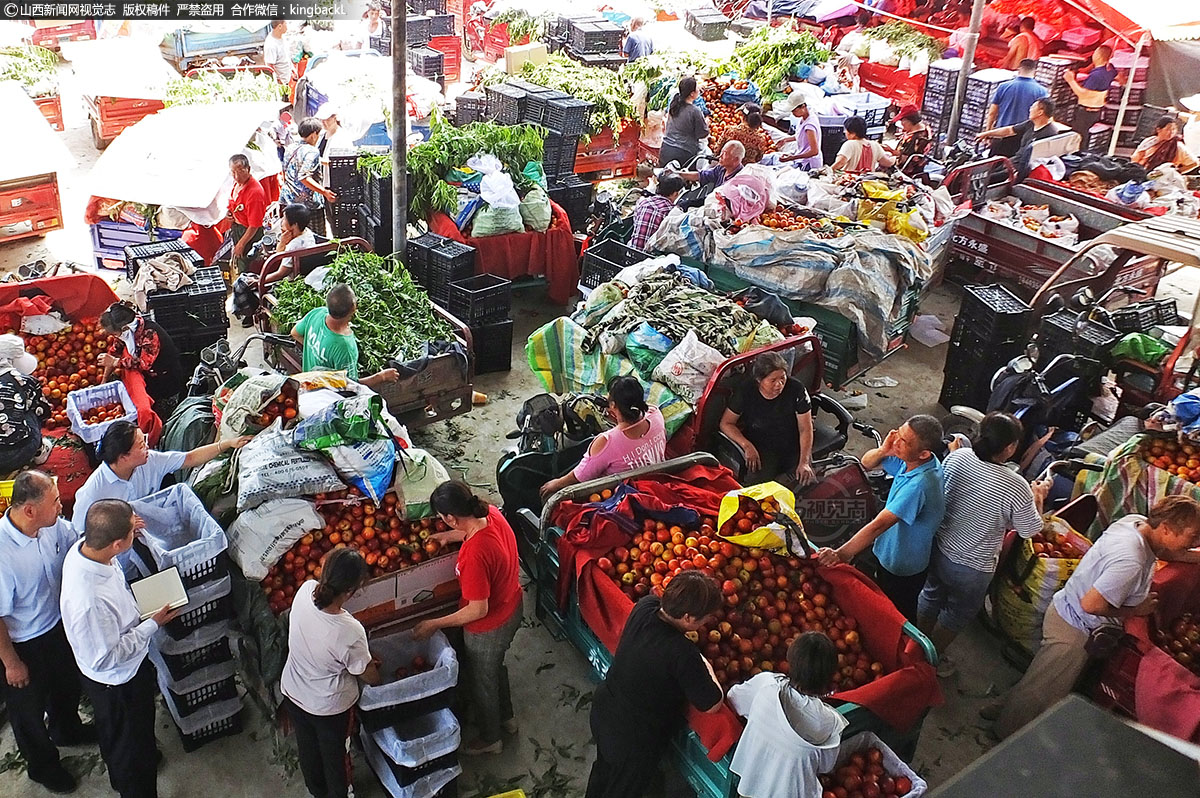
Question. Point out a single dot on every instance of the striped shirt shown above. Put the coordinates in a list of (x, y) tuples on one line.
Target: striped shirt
[(983, 501)]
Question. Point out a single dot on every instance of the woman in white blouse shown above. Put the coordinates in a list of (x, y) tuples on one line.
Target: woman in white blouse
[(791, 735), (327, 657)]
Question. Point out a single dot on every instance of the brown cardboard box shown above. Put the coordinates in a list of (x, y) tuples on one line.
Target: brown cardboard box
[(406, 592), (515, 57)]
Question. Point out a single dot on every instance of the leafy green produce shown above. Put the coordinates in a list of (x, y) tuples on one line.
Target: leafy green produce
[(522, 24), (448, 147), (662, 71), (32, 66), (769, 55), (214, 87), (395, 317), (611, 102), (377, 165), (906, 40)]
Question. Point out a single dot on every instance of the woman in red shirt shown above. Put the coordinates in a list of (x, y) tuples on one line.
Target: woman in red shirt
[(490, 609)]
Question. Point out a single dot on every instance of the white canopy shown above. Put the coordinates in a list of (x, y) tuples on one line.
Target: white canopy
[(33, 146), (122, 67)]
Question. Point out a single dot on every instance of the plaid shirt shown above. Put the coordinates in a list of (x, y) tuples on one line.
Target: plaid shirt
[(648, 216)]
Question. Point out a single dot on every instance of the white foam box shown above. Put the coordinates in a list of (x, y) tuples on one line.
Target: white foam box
[(516, 56), (407, 592)]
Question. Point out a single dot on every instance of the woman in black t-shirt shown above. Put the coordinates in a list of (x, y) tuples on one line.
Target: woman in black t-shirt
[(770, 417)]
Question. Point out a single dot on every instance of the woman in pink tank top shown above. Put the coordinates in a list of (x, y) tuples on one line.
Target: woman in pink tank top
[(639, 439)]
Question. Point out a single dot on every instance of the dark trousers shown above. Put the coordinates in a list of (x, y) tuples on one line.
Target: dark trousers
[(668, 153), (1006, 146), (487, 675), (628, 752), (323, 743), (47, 709), (1083, 121), (902, 590), (125, 723)]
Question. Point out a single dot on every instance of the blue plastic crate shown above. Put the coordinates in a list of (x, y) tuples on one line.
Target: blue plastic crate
[(109, 240)]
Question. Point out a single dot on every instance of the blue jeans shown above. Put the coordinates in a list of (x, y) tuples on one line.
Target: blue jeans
[(953, 593)]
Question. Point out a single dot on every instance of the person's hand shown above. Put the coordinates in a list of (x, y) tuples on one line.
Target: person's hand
[(547, 490), (108, 361), (888, 448), (139, 525), (805, 475), (1148, 606), (238, 250), (1041, 489), (955, 443), (389, 375), (1043, 440), (17, 674), (329, 195), (237, 443), (286, 236), (165, 615), (753, 458), (827, 557), (424, 630)]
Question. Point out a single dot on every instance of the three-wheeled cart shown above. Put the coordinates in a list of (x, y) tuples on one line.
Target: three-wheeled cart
[(121, 84), (200, 43), (29, 198)]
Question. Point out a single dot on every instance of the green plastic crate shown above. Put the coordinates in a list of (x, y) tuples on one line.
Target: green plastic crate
[(709, 779)]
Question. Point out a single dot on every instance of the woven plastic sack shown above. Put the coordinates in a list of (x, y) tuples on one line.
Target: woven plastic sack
[(260, 537), (1030, 583), (270, 467), (397, 651), (246, 401), (352, 420), (494, 221), (687, 367), (535, 210)]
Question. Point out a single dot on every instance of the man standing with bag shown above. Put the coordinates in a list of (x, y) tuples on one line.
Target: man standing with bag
[(41, 683), (110, 642)]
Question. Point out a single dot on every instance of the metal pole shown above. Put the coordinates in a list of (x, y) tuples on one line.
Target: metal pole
[(968, 64), (399, 127), (1137, 53)]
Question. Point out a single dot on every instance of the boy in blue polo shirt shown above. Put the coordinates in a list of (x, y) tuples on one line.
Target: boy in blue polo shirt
[(903, 531)]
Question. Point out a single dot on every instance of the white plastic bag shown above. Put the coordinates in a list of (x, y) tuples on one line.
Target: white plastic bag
[(397, 651), (258, 538), (687, 367), (496, 188), (42, 325), (892, 764), (270, 467)]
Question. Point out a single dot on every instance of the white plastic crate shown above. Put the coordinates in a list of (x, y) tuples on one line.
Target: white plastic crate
[(194, 681), (204, 636), (397, 651), (180, 532), (894, 765), (202, 718), (424, 787), (419, 740), (84, 399)]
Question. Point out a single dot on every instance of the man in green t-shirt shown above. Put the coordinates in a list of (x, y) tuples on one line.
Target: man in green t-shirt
[(329, 344)]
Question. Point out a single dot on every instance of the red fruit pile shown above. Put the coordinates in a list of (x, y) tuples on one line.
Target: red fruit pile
[(283, 406), (1048, 549), (723, 117), (418, 665), (1182, 460), (108, 412), (769, 600), (67, 361), (863, 776), (1181, 639), (387, 542)]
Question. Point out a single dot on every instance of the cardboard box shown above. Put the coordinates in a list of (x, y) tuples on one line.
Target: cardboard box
[(406, 592), (515, 57)]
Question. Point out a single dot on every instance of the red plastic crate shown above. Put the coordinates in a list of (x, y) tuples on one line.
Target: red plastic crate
[(51, 108), (895, 84), (451, 49), (608, 154), (50, 36), (497, 40), (1115, 687)]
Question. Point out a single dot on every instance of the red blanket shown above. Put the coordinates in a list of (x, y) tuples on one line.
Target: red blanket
[(1166, 694), (908, 687), (550, 254)]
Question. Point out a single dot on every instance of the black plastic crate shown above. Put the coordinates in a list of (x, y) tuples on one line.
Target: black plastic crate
[(602, 261), (706, 25), (493, 347), (427, 62), (343, 219), (189, 702), (560, 26), (448, 263), (594, 37), (200, 304), (535, 105), (441, 25), (574, 195), (1097, 139), (417, 254), (1139, 317), (1167, 312), (136, 253), (207, 571), (342, 177), (940, 80), (226, 727), (525, 85), (218, 609), (406, 776), (1062, 332), (181, 666), (569, 116), (1137, 94), (418, 30), (375, 719), (505, 103), (425, 6), (614, 60), (375, 232), (482, 299), (994, 307), (558, 154), (377, 193), (469, 107)]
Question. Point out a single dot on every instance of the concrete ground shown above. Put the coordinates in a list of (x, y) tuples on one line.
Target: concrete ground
[(551, 686)]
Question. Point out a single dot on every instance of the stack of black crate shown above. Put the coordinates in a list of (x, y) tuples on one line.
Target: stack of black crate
[(990, 330), (938, 101), (484, 304), (343, 179), (1050, 72), (595, 43)]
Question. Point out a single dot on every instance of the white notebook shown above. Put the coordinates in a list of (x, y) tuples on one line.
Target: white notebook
[(163, 589)]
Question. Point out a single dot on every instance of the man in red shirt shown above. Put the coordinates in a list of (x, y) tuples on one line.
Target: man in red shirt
[(247, 205)]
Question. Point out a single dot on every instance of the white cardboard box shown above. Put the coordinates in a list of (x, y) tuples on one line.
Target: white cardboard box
[(403, 593), (515, 57)]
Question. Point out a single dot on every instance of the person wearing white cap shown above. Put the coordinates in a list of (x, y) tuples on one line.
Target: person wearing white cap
[(808, 133), (23, 408), (334, 137)]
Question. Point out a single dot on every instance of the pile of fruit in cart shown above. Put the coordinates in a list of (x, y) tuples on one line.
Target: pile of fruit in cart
[(67, 361), (1180, 459)]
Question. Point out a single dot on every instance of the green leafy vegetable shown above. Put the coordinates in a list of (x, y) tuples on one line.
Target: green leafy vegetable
[(214, 87), (377, 165), (662, 71), (906, 40), (770, 55), (521, 24), (35, 68), (611, 102), (395, 317)]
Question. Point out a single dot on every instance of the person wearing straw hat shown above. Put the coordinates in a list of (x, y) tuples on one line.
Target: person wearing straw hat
[(23, 408), (808, 133)]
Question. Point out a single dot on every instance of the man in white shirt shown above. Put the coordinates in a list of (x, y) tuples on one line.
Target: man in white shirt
[(110, 642), (129, 470), (41, 683), (275, 52)]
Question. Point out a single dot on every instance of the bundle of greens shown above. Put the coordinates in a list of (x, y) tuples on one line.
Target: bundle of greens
[(521, 24), (241, 86), (394, 319), (611, 102), (377, 165), (448, 147), (906, 40), (770, 55), (662, 71), (31, 66)]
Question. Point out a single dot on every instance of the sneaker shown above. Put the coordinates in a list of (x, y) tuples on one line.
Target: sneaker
[(57, 780), (946, 668), (510, 726), (477, 747), (991, 711)]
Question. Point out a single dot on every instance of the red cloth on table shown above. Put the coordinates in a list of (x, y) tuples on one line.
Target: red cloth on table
[(68, 462), (550, 254), (205, 240), (11, 313), (1166, 694), (908, 687)]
